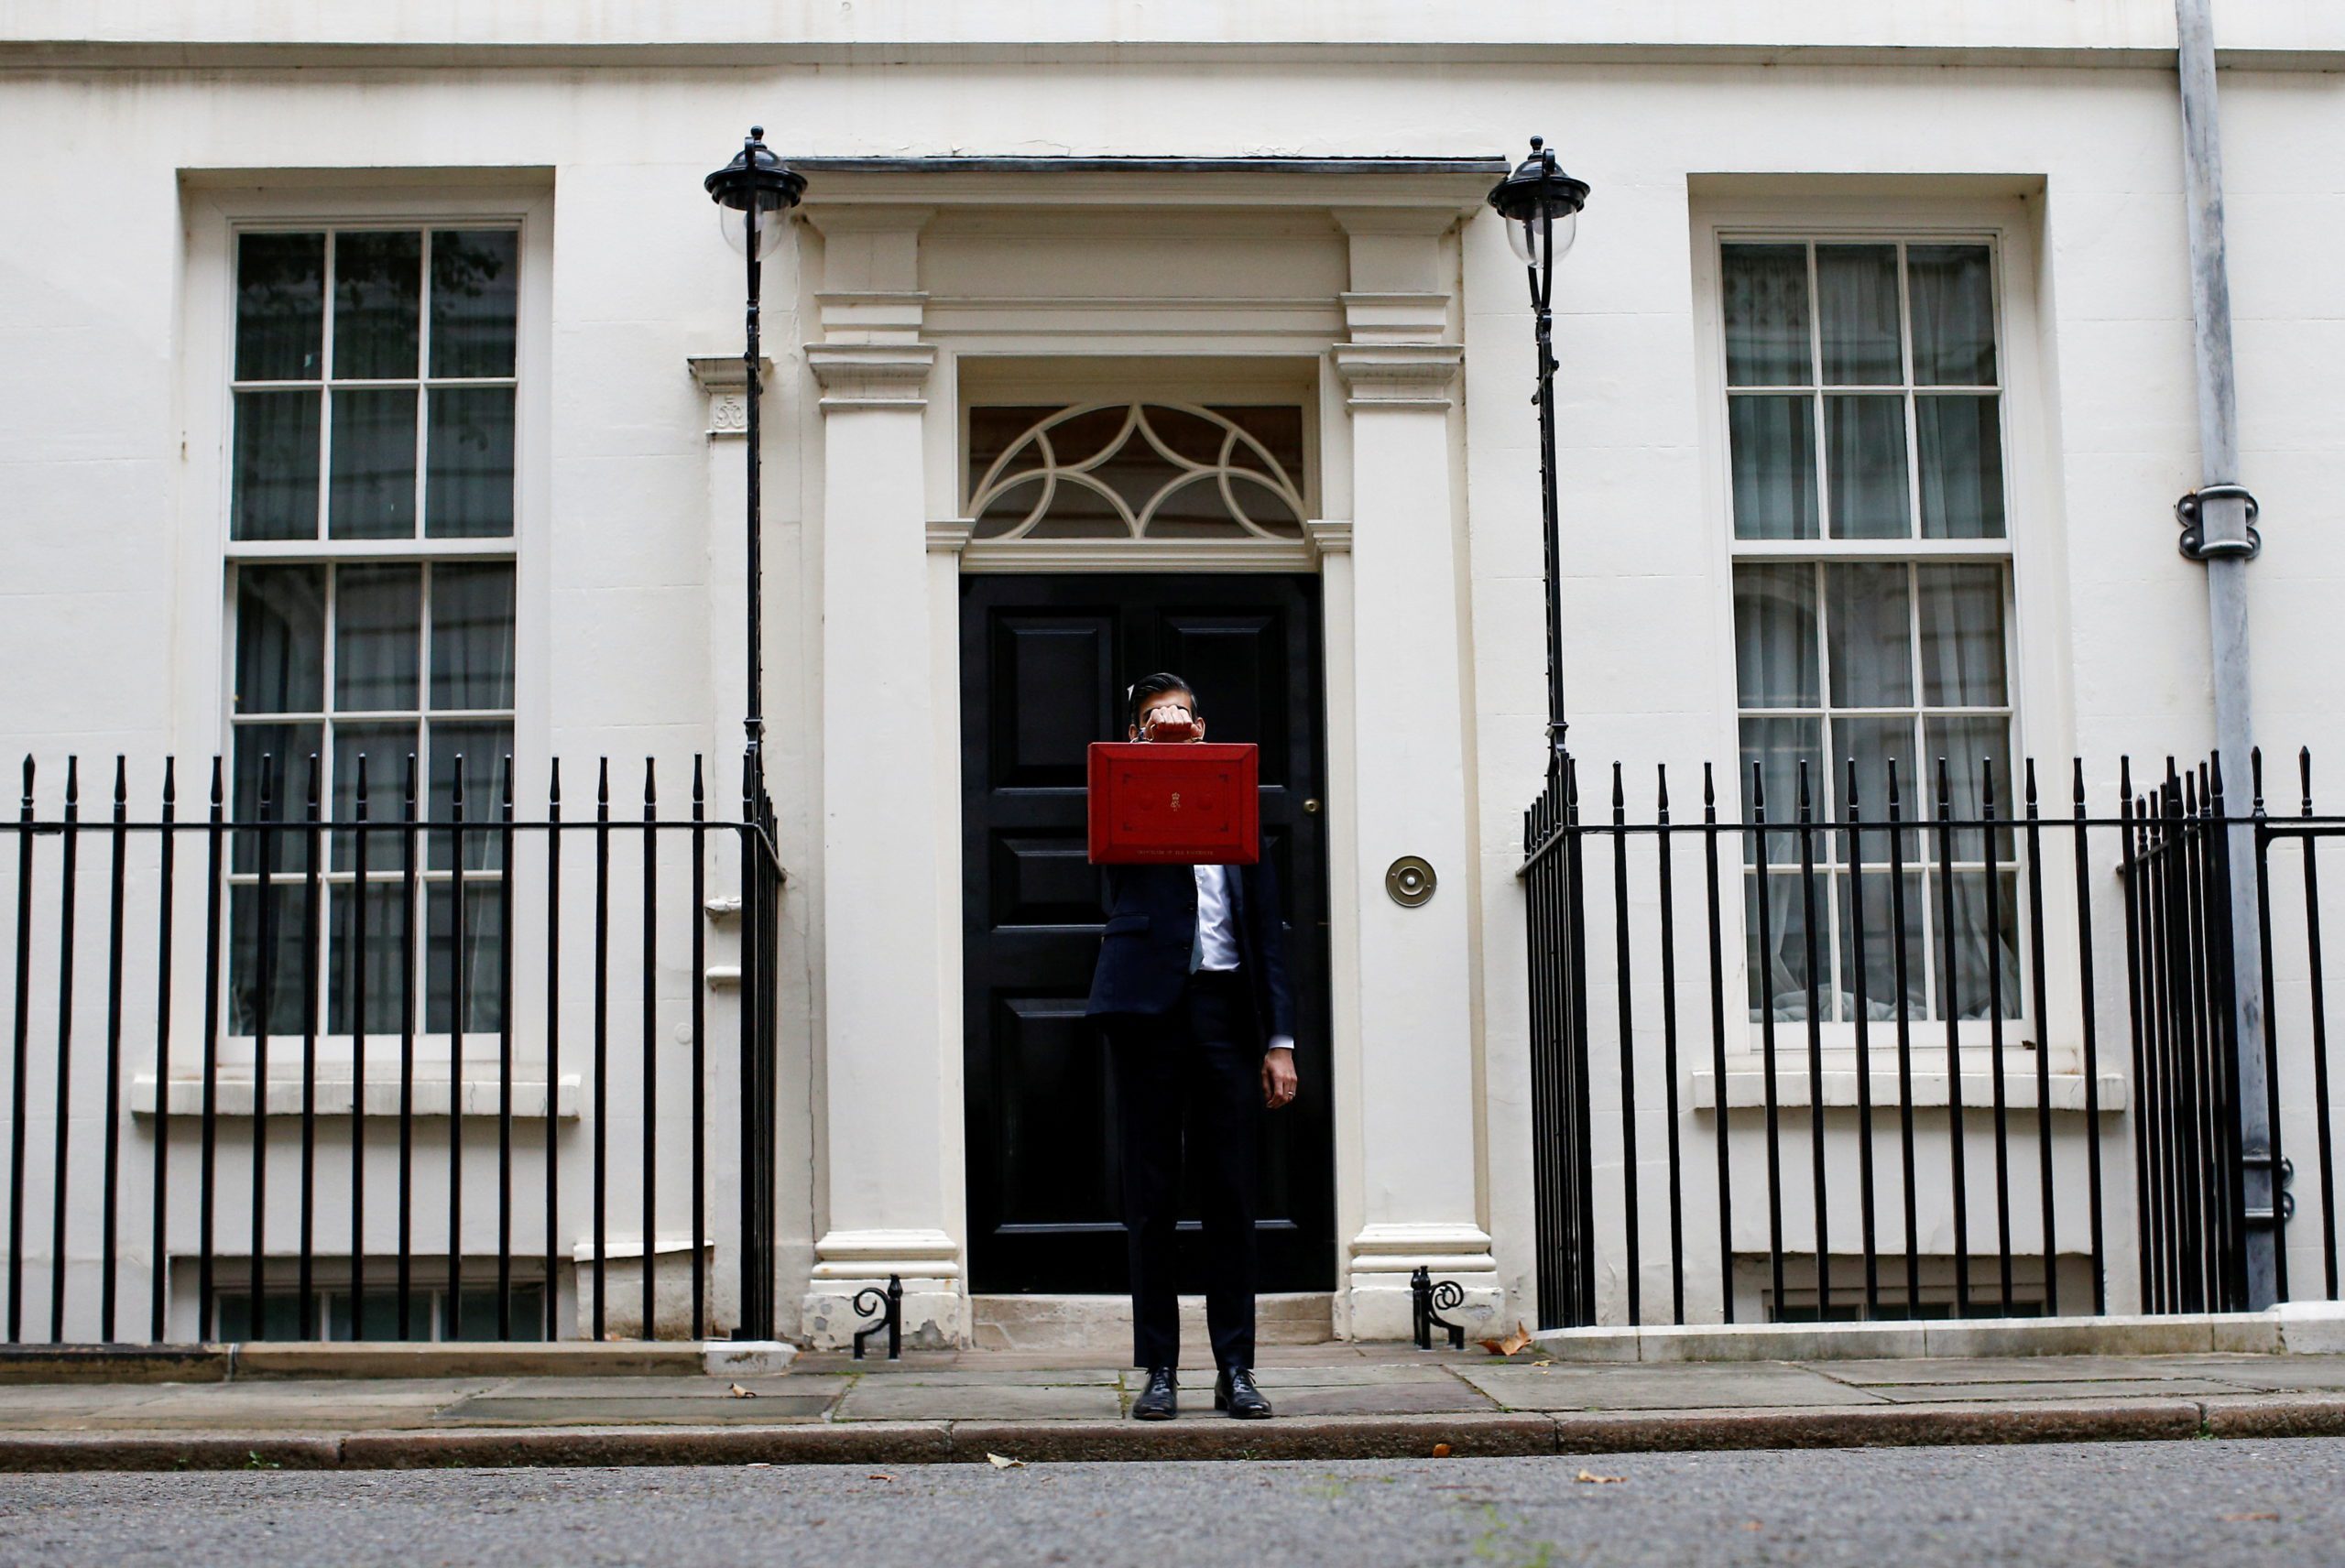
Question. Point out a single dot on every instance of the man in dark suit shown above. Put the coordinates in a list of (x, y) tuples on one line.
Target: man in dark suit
[(1192, 992)]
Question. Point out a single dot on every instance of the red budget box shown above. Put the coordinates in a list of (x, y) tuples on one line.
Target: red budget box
[(1187, 804)]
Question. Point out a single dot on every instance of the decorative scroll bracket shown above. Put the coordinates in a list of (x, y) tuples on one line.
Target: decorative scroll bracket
[(1425, 1299), (889, 1304)]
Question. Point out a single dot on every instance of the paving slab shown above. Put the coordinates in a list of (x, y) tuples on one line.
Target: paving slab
[(1384, 1399), (643, 1388), (494, 1410), (1663, 1387), (2053, 1389), (2010, 1369), (876, 1399), (1328, 1377), (881, 1375), (2275, 1372)]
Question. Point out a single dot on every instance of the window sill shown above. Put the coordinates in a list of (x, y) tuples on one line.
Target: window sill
[(1746, 1087), (335, 1096)]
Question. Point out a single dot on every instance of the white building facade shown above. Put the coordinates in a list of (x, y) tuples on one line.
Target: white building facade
[(375, 386)]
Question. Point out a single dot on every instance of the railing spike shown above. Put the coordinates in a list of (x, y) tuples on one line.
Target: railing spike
[(1709, 787), (700, 792), (603, 784), (1661, 787), (553, 782), (2031, 786), (121, 784), (507, 791), (651, 788), (28, 781), (2076, 782), (2256, 779), (171, 781), (1805, 812), (2303, 774), (219, 779)]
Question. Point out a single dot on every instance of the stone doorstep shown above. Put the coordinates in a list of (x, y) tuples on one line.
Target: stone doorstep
[(224, 1363), (1467, 1434), (2295, 1327)]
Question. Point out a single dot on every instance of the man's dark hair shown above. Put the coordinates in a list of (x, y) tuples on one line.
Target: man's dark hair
[(1148, 688)]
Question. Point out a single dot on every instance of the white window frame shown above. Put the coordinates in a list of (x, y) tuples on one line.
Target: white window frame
[(217, 211), (2002, 215)]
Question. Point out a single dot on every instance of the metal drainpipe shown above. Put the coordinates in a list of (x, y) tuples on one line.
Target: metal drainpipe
[(2225, 542)]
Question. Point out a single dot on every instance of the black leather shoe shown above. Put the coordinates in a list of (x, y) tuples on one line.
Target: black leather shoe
[(1233, 1391), (1157, 1402)]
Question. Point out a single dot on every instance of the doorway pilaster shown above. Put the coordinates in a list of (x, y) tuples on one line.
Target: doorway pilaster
[(890, 1135), (1417, 1192)]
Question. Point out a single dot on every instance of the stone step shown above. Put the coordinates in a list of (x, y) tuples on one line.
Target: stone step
[(1104, 1323)]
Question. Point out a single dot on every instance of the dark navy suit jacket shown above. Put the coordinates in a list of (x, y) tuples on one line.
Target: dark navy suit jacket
[(1152, 924)]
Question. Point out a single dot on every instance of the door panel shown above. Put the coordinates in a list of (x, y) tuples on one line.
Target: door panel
[(1044, 661)]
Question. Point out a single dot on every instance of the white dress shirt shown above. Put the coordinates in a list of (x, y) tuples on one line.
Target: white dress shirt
[(1216, 944)]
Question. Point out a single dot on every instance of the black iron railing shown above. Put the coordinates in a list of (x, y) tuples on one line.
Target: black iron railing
[(1911, 1106), (333, 1046)]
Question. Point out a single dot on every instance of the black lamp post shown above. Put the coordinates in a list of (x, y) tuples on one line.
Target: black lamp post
[(754, 191), (1541, 205)]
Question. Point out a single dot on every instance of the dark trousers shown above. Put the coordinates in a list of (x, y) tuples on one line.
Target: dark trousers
[(1191, 1081)]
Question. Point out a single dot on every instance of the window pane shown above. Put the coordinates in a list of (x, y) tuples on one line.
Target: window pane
[(386, 748), (374, 465), (469, 489), (1777, 747), (280, 937), (1778, 937), (1774, 449), (471, 636), (280, 306), (1953, 315), (374, 966), (273, 486), (480, 943), (377, 637), (1871, 636), (1775, 637), (284, 751), (481, 747), (1857, 288), (1978, 930), (474, 275), (1961, 446), (1962, 636), (1874, 745), (1880, 912), (1766, 316), (1973, 749), (1865, 451), (377, 289), (280, 639)]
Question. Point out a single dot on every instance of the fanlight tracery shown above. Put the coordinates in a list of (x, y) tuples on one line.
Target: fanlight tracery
[(1138, 471)]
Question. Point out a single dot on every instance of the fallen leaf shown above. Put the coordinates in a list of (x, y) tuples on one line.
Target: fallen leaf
[(1441, 1451), (1004, 1462), (1511, 1342), (2243, 1518), (737, 1393), (1542, 1366), (878, 1475), (1591, 1476), (760, 1465), (1751, 1524)]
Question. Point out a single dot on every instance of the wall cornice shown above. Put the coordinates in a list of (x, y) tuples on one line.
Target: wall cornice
[(1398, 375), (871, 376)]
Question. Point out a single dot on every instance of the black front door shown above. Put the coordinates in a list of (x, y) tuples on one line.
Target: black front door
[(1044, 661)]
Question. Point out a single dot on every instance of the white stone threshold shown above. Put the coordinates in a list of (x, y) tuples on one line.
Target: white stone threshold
[(2301, 1328)]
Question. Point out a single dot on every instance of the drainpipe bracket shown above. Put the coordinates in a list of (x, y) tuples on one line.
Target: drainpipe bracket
[(2193, 544)]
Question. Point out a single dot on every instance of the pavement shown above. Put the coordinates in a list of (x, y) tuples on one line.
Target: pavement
[(2075, 1505), (1335, 1401)]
